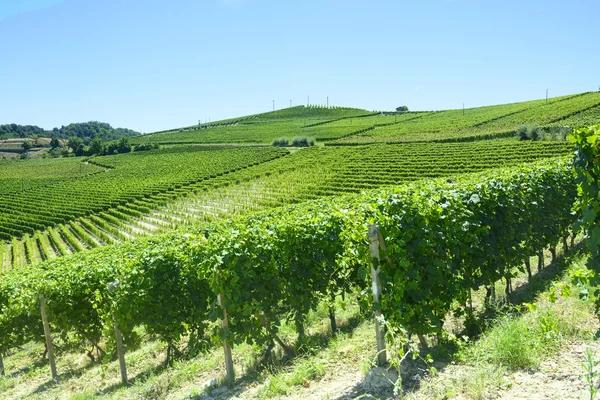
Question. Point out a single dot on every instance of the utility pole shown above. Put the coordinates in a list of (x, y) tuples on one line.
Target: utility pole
[(546, 96)]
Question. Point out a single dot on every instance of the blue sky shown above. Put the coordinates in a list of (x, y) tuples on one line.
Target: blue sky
[(153, 64)]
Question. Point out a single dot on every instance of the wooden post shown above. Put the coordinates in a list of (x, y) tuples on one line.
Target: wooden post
[(1, 365), (226, 348), (119, 339), (374, 237), (48, 338)]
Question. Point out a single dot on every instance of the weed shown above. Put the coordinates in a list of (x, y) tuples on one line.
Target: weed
[(301, 375), (591, 373)]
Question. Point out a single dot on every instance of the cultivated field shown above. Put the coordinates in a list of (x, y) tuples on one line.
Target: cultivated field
[(202, 243)]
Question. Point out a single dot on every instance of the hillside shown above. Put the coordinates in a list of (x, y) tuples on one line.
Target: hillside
[(341, 126), (219, 239)]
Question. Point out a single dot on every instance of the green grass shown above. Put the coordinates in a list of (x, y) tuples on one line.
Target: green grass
[(520, 339), (302, 374)]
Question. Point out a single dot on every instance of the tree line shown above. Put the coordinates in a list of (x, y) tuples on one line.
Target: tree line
[(86, 131)]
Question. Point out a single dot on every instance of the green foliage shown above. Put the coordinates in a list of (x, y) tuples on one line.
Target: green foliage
[(281, 142), (55, 143), (27, 145), (443, 238), (352, 127), (303, 141), (20, 131), (303, 175), (260, 128), (96, 147), (591, 373), (587, 169), (512, 343), (86, 131), (533, 132)]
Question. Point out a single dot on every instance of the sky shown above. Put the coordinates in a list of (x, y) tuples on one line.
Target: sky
[(152, 65)]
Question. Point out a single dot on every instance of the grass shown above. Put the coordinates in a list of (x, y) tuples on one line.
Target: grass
[(301, 375), (520, 336), (519, 341)]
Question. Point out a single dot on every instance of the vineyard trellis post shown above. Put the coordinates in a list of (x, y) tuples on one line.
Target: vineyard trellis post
[(48, 336), (119, 339), (1, 365), (226, 347), (374, 238)]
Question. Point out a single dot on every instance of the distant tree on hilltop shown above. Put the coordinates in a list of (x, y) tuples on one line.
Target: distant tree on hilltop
[(402, 108), (20, 131), (86, 131)]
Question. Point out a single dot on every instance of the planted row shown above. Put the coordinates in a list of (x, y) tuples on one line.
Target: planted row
[(443, 240)]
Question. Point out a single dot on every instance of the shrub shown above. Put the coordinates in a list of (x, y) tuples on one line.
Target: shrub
[(281, 142), (303, 141), (146, 147), (530, 132)]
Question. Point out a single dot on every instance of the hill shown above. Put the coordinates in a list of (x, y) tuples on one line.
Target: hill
[(218, 238), (87, 131), (341, 126)]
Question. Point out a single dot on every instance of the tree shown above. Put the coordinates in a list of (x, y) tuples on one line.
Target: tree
[(96, 147), (123, 145), (402, 108), (80, 150), (54, 143), (74, 143), (27, 145)]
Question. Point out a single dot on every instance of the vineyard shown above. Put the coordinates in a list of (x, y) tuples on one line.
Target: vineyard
[(220, 239), (293, 178), (280, 264), (352, 126), (261, 128)]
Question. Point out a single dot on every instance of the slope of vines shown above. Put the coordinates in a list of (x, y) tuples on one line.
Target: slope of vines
[(443, 238), (24, 175), (302, 176), (130, 177), (483, 122)]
